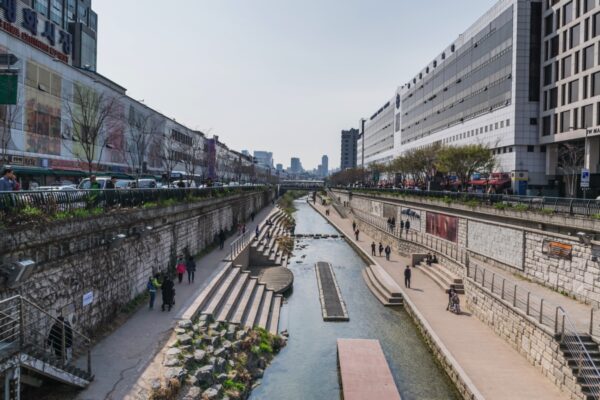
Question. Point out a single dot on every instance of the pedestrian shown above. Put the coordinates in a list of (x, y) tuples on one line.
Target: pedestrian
[(110, 184), (110, 195), (356, 233), (153, 285), (61, 338), (388, 251), (407, 226), (256, 232), (373, 249), (354, 226), (393, 223), (221, 239), (180, 268), (168, 293), (380, 249), (450, 294), (401, 226), (389, 224), (190, 266), (252, 215), (455, 306), (243, 229), (7, 182), (407, 275)]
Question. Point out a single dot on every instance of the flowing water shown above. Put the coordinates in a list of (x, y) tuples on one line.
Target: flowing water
[(307, 367)]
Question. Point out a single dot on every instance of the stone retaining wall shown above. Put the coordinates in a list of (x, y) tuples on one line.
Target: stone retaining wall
[(526, 336), (76, 258)]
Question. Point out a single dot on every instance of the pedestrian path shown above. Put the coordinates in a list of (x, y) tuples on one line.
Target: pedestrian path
[(493, 366), (119, 360)]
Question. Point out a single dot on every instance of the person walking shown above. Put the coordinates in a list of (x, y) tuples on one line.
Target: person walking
[(354, 226), (256, 232), (407, 276), (153, 285), (252, 215), (168, 293), (388, 251), (356, 233), (180, 268), (190, 266), (373, 247), (380, 249), (243, 229), (221, 239), (401, 226), (407, 226), (450, 295)]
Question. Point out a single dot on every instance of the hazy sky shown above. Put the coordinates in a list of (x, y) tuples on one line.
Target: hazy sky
[(279, 75)]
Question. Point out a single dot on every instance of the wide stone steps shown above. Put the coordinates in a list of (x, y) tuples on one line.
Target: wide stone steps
[(444, 278), (254, 306), (244, 300), (222, 292), (383, 287), (265, 308), (583, 357), (233, 297), (273, 324)]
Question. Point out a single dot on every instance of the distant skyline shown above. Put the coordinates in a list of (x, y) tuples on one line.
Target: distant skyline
[(279, 76)]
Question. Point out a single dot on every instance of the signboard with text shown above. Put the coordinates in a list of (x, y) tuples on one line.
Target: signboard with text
[(585, 178)]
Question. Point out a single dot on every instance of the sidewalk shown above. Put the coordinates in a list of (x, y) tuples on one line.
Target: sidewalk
[(120, 359), (495, 368)]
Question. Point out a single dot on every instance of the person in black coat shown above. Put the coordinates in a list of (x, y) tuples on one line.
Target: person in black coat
[(168, 293), (407, 275), (190, 267), (55, 337)]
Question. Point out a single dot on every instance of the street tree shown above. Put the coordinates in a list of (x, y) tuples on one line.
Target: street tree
[(10, 114), (144, 129), (570, 162), (194, 157), (464, 161)]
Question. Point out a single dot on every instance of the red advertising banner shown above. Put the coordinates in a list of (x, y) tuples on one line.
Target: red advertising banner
[(443, 226)]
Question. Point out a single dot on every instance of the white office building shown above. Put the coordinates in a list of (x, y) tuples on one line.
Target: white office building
[(376, 140)]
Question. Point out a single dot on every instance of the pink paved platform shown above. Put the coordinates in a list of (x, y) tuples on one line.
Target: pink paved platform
[(364, 372)]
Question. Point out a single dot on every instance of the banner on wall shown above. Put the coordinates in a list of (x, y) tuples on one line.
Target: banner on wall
[(557, 249), (411, 215), (443, 226)]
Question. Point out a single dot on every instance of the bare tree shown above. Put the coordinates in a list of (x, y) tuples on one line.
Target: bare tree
[(194, 154), (9, 115), (91, 113), (570, 162), (171, 154), (143, 131)]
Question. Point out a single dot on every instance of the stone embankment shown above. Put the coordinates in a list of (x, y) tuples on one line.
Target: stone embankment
[(211, 360)]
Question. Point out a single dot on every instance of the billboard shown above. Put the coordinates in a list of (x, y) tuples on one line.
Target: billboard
[(443, 226), (412, 215)]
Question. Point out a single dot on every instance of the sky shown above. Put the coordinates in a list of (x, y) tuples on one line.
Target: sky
[(285, 76)]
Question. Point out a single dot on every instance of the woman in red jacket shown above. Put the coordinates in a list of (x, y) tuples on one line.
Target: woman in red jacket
[(180, 268)]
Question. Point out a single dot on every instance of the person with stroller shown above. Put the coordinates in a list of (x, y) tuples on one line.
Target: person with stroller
[(455, 303)]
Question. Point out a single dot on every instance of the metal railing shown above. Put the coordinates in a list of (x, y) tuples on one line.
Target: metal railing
[(571, 206), (25, 327), (54, 201), (238, 245)]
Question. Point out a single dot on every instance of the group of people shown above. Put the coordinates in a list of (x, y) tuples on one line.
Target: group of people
[(431, 259), (387, 250), (166, 284), (453, 302), (404, 225)]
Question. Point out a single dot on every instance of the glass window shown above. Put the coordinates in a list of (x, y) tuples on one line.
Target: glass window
[(596, 84), (587, 117), (565, 121), (588, 58), (547, 74), (530, 149), (553, 98), (41, 6), (549, 25), (554, 46), (575, 36), (596, 24), (568, 13), (585, 87), (573, 91), (589, 5), (56, 12), (566, 67)]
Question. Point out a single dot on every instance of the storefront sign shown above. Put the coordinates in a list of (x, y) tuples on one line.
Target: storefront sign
[(23, 161), (37, 31), (592, 131), (557, 249), (68, 165), (88, 298)]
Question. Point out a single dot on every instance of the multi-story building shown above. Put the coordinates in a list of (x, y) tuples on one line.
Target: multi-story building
[(41, 75), (264, 158), (570, 116), (295, 165), (377, 137), (348, 149), (483, 88), (324, 166)]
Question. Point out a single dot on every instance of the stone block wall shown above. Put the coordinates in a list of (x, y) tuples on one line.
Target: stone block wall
[(534, 342), (78, 257)]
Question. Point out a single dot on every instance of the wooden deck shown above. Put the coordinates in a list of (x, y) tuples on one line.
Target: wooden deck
[(364, 371)]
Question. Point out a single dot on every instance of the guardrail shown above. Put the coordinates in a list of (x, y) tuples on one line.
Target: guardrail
[(571, 206), (25, 327), (54, 201), (238, 245)]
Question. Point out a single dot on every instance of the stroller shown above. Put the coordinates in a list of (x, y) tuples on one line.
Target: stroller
[(454, 303)]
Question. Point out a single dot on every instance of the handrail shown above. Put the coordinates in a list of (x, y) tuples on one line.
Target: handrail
[(237, 246)]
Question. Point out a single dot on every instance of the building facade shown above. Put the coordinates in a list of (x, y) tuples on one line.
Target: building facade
[(324, 171), (570, 114), (39, 70), (264, 158), (348, 149), (483, 88), (295, 165), (377, 137)]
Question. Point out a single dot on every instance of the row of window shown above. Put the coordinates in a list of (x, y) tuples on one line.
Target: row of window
[(477, 131), (563, 16), (569, 92), (571, 38), (569, 120)]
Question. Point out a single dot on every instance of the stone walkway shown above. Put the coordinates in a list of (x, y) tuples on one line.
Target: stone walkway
[(494, 367), (120, 359)]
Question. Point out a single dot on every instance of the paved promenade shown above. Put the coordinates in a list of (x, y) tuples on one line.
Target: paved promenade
[(494, 367), (120, 359)]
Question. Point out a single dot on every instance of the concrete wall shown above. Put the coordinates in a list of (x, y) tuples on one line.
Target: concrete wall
[(75, 258), (509, 244)]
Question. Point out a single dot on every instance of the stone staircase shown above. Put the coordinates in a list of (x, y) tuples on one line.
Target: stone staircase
[(234, 296), (586, 372), (264, 250), (383, 287), (443, 277)]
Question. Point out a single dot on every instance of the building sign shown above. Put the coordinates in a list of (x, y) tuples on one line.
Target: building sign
[(585, 178), (88, 298), (557, 249), (593, 131), (23, 22), (23, 161)]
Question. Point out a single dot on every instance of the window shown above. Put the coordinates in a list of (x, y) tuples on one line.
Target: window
[(553, 98), (496, 125), (510, 149), (555, 123), (554, 46), (596, 24), (573, 91), (568, 13), (587, 117), (546, 128), (585, 87), (56, 12), (549, 25), (530, 149), (563, 94), (508, 122), (548, 74), (576, 66), (41, 6), (565, 121), (532, 121), (501, 124), (588, 58), (589, 5), (574, 37), (566, 67), (542, 149)]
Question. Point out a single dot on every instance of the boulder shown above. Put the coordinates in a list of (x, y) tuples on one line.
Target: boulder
[(184, 339), (220, 364), (235, 345), (179, 331), (210, 393), (227, 344), (221, 352), (172, 362), (239, 335), (214, 326), (174, 373), (222, 378), (185, 324), (192, 393), (173, 352), (204, 375), (199, 355), (231, 332), (258, 373), (209, 349), (223, 333)]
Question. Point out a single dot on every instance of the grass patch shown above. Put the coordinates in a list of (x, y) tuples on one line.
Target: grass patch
[(229, 384), (501, 206), (521, 207), (286, 202)]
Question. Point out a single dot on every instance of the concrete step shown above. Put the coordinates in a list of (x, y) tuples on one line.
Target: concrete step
[(377, 291), (439, 280), (442, 275), (232, 299), (207, 293), (221, 293), (450, 276), (274, 317), (386, 280), (254, 306), (263, 315), (240, 308)]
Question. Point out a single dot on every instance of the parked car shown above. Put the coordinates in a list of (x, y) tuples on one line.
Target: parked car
[(143, 184), (120, 184)]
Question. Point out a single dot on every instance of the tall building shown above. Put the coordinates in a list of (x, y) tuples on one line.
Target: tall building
[(570, 115), (324, 166), (348, 149), (279, 167), (295, 166), (483, 88), (377, 137), (264, 158)]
